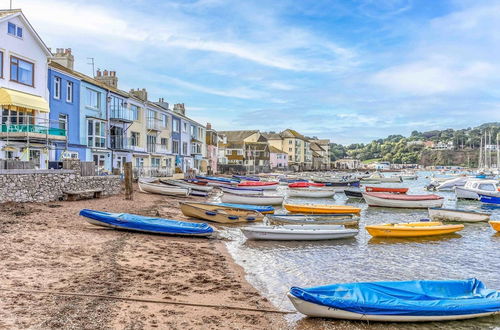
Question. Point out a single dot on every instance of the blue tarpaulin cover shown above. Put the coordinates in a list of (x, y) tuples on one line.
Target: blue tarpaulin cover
[(257, 208), (147, 224), (412, 298)]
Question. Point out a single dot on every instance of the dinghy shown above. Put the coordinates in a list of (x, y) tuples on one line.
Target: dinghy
[(217, 179), (242, 191), (264, 209), (495, 225), (305, 185), (353, 193), (321, 209), (377, 177), (472, 188), (184, 184), (252, 199), (490, 198), (298, 232), (266, 185), (158, 188), (387, 189), (314, 219), (404, 301), (311, 192), (246, 178), (220, 214), (441, 214), (146, 224), (403, 200), (412, 229)]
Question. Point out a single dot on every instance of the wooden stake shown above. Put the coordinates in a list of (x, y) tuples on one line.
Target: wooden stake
[(129, 189)]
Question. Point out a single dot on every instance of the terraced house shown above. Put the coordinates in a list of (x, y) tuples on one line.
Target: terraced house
[(295, 145), (243, 151)]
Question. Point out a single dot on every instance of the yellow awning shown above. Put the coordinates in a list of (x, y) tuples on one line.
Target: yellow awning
[(10, 97)]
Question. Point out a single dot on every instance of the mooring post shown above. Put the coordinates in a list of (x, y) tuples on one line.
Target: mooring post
[(129, 189)]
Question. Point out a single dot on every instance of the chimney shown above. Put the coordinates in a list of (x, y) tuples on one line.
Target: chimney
[(108, 78), (141, 94), (161, 102), (209, 126), (179, 108), (63, 57)]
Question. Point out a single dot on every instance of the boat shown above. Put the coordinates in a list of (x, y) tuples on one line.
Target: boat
[(452, 183), (184, 184), (252, 199), (402, 200), (412, 229), (473, 188), (162, 189), (409, 176), (266, 185), (490, 198), (246, 178), (377, 177), (264, 209), (146, 224), (316, 219), (305, 185), (218, 213), (242, 190), (353, 193), (495, 225), (321, 209), (298, 232), (291, 180), (398, 301), (459, 215), (311, 192), (337, 182), (217, 179), (386, 189)]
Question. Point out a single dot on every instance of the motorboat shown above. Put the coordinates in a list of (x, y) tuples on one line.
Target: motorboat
[(473, 187)]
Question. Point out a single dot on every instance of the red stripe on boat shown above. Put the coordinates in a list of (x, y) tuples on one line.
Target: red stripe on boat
[(305, 185), (404, 197), (383, 189), (256, 183)]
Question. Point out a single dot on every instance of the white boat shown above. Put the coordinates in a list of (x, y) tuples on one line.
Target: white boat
[(242, 191), (403, 200), (440, 214), (473, 187), (184, 184), (452, 183), (311, 192), (409, 176), (157, 188), (298, 232), (252, 199), (377, 177)]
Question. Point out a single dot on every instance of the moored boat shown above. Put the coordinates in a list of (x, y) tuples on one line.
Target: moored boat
[(305, 185), (474, 187), (353, 193), (246, 178), (377, 177), (495, 225), (264, 209), (459, 215), (402, 301), (266, 185), (162, 189), (316, 219), (218, 213), (386, 189), (312, 192), (402, 200), (298, 232), (412, 229), (452, 183), (321, 209), (217, 179), (242, 190), (490, 198), (252, 199)]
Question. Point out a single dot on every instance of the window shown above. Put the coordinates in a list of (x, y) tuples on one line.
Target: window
[(21, 71), (57, 88), (151, 141), (93, 99), (228, 152), (134, 140), (239, 152), (184, 127), (63, 121), (176, 126), (155, 162), (96, 133), (164, 120), (116, 107), (1, 64), (69, 92), (193, 131), (11, 28), (184, 148), (164, 142), (134, 109), (175, 147)]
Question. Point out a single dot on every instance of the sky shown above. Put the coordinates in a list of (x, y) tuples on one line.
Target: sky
[(351, 71)]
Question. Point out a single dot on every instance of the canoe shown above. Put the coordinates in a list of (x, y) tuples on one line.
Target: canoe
[(305, 185), (242, 190), (220, 214), (246, 178), (267, 185), (316, 219), (298, 232), (353, 193), (311, 192), (490, 199), (321, 209), (184, 184), (264, 209), (158, 188), (399, 301), (402, 200), (252, 199), (412, 229), (495, 225), (146, 224), (459, 215), (386, 189)]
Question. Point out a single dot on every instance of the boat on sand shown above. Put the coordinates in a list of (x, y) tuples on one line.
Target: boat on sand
[(217, 213), (252, 199), (321, 209), (162, 189)]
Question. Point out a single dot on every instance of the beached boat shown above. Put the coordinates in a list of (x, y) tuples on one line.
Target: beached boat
[(242, 190), (291, 180), (490, 198), (218, 213), (252, 199), (495, 225), (139, 223), (403, 200), (377, 177), (264, 209), (266, 185), (353, 193), (162, 189), (440, 214), (217, 179), (312, 192), (246, 178), (305, 185), (298, 232), (185, 184), (402, 301), (316, 219), (412, 229), (321, 209), (386, 189), (474, 187)]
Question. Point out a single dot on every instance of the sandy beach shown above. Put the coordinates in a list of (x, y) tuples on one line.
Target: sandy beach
[(47, 251)]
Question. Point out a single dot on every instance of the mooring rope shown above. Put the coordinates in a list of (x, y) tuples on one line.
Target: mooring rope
[(145, 300)]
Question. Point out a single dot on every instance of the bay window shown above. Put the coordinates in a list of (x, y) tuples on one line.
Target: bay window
[(96, 133)]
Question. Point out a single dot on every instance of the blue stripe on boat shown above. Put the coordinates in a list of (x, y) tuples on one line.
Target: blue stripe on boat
[(258, 208), (489, 199)]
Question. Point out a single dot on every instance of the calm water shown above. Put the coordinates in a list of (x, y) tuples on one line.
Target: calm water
[(273, 266)]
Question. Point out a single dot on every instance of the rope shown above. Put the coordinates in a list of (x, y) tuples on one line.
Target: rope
[(145, 300)]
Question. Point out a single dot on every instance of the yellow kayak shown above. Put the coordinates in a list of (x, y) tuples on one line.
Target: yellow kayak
[(495, 225), (321, 209), (412, 229)]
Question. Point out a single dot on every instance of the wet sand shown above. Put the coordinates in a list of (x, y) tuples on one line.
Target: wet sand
[(48, 247)]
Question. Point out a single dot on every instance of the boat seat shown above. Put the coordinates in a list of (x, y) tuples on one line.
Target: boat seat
[(73, 195)]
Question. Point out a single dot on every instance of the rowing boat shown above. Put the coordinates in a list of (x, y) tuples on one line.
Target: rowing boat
[(386, 189), (246, 178), (305, 185), (403, 200), (217, 213), (242, 191), (298, 232), (495, 225), (266, 185), (353, 193), (321, 209), (264, 209), (412, 229), (184, 184), (460, 215), (157, 188), (252, 199), (311, 192), (316, 219)]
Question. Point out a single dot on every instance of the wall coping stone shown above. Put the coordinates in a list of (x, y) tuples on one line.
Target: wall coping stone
[(22, 171)]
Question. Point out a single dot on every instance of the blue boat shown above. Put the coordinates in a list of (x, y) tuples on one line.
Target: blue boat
[(258, 208), (216, 178), (490, 199), (292, 180), (246, 178), (146, 224), (405, 301)]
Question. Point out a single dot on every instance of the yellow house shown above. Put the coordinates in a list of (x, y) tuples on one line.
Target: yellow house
[(294, 144)]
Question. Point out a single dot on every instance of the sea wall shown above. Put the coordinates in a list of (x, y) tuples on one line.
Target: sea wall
[(49, 185)]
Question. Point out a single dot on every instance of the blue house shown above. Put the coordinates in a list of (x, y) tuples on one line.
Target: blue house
[(176, 140)]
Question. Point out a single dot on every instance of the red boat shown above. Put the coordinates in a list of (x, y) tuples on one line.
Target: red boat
[(257, 183), (389, 190), (305, 185)]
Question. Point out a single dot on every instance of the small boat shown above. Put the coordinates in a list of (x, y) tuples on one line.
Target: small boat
[(246, 178), (316, 219), (311, 192), (399, 301), (162, 189), (291, 180), (184, 184), (403, 200), (146, 224), (490, 198), (473, 188), (386, 189), (305, 185), (217, 179), (242, 190), (220, 214), (298, 232), (377, 177), (452, 183), (441, 214), (337, 182), (252, 199), (412, 229), (267, 185), (408, 176), (321, 209), (353, 193), (495, 225), (196, 182), (264, 209)]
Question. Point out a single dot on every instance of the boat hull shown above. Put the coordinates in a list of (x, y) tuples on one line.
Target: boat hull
[(495, 225), (251, 199), (242, 191), (162, 189), (298, 233), (489, 199), (220, 214), (410, 204), (396, 230), (465, 193), (344, 219), (440, 214), (321, 209), (311, 193), (353, 193)]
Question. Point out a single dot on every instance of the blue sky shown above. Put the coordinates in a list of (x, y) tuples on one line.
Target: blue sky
[(351, 71)]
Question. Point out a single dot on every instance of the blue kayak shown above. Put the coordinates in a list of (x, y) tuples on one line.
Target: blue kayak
[(490, 199), (258, 208), (399, 301), (146, 224)]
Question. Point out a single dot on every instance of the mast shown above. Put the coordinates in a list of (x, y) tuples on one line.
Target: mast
[(498, 154), (480, 163)]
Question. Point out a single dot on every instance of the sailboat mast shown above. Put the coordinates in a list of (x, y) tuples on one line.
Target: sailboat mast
[(480, 164)]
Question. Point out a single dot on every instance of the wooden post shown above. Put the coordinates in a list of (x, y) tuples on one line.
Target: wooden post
[(129, 189)]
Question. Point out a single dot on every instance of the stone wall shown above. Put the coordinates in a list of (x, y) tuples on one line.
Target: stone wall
[(48, 185)]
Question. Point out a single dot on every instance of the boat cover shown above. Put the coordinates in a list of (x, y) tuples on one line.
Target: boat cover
[(404, 197), (258, 208), (141, 223), (411, 298), (256, 183)]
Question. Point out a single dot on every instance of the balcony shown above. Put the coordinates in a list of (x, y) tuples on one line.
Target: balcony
[(40, 131), (119, 142), (122, 114), (157, 148), (154, 123)]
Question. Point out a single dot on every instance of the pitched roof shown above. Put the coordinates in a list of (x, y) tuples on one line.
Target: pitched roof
[(256, 145), (315, 147), (275, 150), (237, 135), (271, 136), (290, 133)]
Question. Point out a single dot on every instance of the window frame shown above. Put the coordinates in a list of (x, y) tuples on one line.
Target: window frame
[(17, 73), (9, 25), (98, 98), (69, 91), (57, 87), (93, 137), (65, 117), (1, 64), (175, 144)]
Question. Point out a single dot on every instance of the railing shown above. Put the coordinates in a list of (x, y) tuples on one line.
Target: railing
[(152, 172), (157, 148), (119, 142), (32, 128), (154, 123), (121, 114)]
